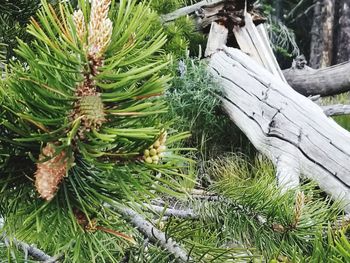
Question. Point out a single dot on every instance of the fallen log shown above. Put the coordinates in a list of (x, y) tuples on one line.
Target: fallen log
[(325, 82), (336, 110), (287, 127)]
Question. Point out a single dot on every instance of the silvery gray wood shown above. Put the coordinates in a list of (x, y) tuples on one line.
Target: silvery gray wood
[(284, 125), (325, 82)]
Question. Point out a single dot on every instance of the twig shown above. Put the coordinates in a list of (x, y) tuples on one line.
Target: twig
[(188, 10), (155, 234), (209, 197), (186, 213), (295, 9), (32, 250), (190, 213)]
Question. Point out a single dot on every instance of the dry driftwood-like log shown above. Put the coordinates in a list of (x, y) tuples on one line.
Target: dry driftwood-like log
[(336, 110), (282, 124), (325, 82)]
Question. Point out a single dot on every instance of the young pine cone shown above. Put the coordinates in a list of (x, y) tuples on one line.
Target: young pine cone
[(50, 173)]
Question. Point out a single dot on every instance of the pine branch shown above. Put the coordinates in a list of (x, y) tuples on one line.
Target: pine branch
[(190, 213), (155, 234), (31, 250), (184, 214)]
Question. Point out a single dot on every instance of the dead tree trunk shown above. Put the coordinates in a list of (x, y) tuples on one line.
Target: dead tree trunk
[(322, 34), (330, 33), (342, 32), (289, 128)]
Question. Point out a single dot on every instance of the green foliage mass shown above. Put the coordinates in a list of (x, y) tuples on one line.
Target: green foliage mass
[(14, 17), (255, 213), (105, 159), (193, 99), (181, 33)]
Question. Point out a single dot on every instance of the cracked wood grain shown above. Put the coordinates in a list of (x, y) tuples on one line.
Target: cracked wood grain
[(284, 125)]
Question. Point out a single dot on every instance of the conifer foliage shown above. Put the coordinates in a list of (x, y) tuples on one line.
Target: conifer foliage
[(78, 111), (14, 16)]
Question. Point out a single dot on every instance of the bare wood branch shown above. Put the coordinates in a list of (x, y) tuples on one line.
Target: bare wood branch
[(31, 250), (180, 213), (155, 234), (189, 10), (336, 110), (325, 82)]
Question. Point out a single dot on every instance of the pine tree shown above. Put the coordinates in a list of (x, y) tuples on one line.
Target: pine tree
[(80, 132)]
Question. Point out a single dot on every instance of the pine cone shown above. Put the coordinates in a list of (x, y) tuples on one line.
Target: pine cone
[(50, 173)]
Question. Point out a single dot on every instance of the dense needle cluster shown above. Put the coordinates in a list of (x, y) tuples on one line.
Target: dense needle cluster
[(88, 107)]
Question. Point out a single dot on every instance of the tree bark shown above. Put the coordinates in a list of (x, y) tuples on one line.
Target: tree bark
[(284, 125), (330, 33), (322, 34), (325, 82), (342, 34), (328, 30)]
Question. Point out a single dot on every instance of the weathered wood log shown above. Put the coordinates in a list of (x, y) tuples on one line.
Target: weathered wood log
[(325, 82), (336, 110), (282, 124)]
